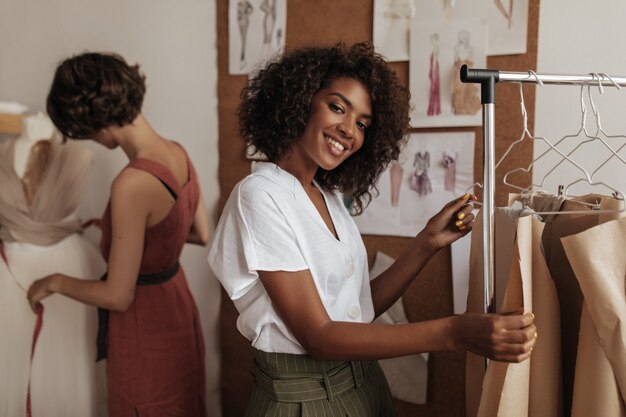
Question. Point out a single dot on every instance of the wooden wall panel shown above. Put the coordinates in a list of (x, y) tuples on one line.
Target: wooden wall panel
[(430, 296)]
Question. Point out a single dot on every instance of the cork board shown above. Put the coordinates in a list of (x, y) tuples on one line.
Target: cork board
[(430, 296)]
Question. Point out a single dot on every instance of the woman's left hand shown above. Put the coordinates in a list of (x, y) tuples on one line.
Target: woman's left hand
[(453, 221), (39, 290)]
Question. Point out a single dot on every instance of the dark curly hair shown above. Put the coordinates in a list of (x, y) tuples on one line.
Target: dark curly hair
[(276, 105), (92, 91)]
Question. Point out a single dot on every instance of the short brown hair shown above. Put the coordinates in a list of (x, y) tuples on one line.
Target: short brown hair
[(92, 91)]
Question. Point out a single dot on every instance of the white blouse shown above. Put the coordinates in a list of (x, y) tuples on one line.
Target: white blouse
[(270, 224)]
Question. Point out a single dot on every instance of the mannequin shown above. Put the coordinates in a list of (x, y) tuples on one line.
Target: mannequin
[(34, 129), (31, 152), (42, 180)]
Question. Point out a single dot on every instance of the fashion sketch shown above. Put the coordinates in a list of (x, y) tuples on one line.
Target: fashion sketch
[(268, 7), (465, 96), (392, 22), (244, 10), (434, 98), (395, 175), (256, 33), (508, 14), (400, 9), (405, 201), (448, 162), (419, 181)]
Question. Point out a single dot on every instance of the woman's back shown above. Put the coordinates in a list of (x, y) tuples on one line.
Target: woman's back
[(155, 348)]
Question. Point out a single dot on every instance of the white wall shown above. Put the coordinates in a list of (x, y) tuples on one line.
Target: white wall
[(175, 43), (578, 37)]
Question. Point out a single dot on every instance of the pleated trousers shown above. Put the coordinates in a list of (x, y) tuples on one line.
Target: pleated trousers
[(288, 385)]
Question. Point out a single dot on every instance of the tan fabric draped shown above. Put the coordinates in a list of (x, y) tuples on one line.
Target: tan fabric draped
[(49, 218), (579, 300), (533, 387), (598, 260)]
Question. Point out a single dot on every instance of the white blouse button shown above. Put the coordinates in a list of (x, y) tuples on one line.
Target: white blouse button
[(350, 270), (354, 312)]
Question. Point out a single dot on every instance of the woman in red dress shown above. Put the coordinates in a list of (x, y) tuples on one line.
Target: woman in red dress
[(149, 326)]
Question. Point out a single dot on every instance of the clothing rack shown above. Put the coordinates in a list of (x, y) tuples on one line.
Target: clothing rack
[(488, 78)]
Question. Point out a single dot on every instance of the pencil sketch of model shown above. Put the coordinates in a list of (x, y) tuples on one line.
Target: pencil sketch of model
[(268, 7), (244, 10), (400, 9), (434, 101), (465, 97), (419, 181)]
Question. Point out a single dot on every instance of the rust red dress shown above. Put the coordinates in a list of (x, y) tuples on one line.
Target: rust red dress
[(155, 361)]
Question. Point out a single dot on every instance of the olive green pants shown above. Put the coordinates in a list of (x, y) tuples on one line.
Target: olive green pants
[(288, 385)]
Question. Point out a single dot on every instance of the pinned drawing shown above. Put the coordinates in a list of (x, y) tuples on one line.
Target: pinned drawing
[(448, 162), (416, 185), (256, 33), (419, 181), (268, 7), (434, 98), (244, 10), (465, 96), (507, 20), (392, 21), (439, 97)]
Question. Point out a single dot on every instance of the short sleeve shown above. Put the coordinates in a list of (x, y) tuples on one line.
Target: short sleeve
[(253, 234)]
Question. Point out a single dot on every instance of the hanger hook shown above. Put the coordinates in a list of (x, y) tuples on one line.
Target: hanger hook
[(595, 76), (534, 74), (523, 107), (615, 84), (583, 107)]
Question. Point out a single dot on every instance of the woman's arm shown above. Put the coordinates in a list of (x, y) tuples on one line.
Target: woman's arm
[(441, 231), (293, 294), (132, 196), (199, 233)]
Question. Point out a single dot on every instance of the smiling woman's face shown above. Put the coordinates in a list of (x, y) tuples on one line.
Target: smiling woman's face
[(340, 114)]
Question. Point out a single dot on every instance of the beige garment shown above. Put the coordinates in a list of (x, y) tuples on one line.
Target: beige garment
[(598, 260), (49, 218), (533, 387), (567, 286)]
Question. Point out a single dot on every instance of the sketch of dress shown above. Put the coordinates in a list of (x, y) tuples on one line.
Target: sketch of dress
[(268, 7), (465, 96), (244, 10), (395, 174), (419, 181), (508, 14), (434, 100), (449, 164), (400, 9)]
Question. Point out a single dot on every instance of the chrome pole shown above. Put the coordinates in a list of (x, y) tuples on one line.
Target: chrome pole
[(489, 191)]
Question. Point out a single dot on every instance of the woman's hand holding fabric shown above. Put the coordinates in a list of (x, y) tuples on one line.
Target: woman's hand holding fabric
[(39, 290), (501, 337)]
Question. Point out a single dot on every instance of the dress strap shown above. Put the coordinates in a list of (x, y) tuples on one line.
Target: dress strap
[(160, 171)]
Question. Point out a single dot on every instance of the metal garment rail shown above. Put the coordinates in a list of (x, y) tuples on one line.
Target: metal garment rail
[(488, 78)]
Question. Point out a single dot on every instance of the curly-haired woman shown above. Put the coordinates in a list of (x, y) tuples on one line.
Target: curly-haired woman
[(290, 256), (149, 328)]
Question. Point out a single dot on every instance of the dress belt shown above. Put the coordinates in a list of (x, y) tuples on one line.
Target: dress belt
[(302, 387), (103, 314)]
